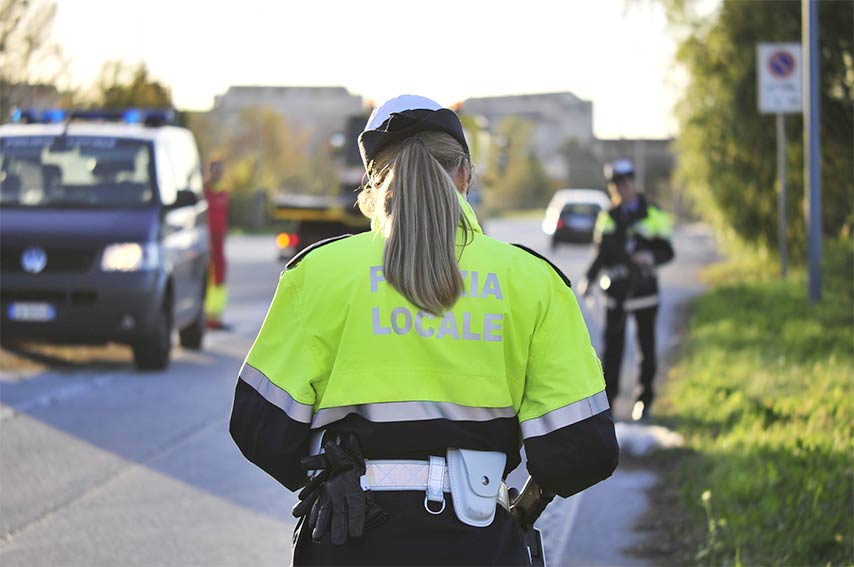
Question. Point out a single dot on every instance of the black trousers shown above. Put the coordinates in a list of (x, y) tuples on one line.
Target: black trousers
[(412, 536), (615, 339)]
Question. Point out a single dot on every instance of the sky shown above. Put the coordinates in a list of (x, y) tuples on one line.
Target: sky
[(619, 54)]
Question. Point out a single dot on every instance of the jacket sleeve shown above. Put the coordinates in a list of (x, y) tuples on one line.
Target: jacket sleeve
[(600, 232), (274, 398), (564, 415), (595, 266), (662, 250), (659, 244)]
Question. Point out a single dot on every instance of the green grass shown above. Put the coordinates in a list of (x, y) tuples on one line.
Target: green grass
[(763, 392)]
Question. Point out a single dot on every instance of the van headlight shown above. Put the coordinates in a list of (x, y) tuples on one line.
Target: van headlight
[(130, 257)]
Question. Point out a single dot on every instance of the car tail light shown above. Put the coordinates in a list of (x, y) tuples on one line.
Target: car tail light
[(285, 240), (560, 223)]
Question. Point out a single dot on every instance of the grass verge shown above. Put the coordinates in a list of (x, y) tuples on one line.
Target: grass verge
[(762, 392)]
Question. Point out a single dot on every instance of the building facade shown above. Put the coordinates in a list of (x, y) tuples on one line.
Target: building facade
[(557, 119), (320, 112)]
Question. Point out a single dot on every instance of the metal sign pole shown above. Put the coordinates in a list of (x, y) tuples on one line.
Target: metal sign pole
[(780, 90), (781, 175), (812, 145)]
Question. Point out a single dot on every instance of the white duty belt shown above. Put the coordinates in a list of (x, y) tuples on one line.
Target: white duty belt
[(430, 476), (474, 479)]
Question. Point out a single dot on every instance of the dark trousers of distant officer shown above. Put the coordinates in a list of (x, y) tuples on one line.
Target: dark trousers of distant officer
[(615, 339), (412, 536)]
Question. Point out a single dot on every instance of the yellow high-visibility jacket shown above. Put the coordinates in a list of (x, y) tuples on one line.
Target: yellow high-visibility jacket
[(512, 361)]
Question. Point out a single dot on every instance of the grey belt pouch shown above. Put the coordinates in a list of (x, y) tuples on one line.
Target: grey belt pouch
[(475, 480)]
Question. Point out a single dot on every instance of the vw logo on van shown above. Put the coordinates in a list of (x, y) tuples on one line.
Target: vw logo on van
[(33, 260)]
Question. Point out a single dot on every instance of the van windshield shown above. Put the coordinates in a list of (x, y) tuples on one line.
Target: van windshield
[(75, 171)]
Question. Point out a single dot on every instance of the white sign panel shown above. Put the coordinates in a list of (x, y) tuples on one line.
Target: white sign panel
[(779, 78)]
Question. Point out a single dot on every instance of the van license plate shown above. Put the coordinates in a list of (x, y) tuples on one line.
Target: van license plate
[(32, 312)]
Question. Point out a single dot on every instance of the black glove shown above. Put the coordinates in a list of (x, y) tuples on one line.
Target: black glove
[(529, 505), (336, 494)]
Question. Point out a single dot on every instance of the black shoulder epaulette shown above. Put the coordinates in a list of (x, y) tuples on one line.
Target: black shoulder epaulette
[(549, 262), (292, 263)]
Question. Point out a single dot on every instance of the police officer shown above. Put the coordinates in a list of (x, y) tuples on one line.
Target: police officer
[(633, 238), (404, 366), (218, 203)]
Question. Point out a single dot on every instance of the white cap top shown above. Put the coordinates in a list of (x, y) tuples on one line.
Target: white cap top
[(399, 104), (622, 167)]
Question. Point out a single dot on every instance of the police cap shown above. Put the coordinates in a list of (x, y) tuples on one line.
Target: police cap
[(404, 116), (619, 169)]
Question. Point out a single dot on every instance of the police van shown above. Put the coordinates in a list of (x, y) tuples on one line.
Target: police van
[(103, 231)]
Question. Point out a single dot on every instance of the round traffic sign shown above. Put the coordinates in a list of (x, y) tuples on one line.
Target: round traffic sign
[(781, 64)]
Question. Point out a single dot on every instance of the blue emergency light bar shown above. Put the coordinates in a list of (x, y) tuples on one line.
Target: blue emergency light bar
[(147, 117)]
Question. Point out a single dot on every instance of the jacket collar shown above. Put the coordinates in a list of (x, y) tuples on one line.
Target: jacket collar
[(638, 212), (468, 214)]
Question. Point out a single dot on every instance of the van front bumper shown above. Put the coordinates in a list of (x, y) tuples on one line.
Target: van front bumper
[(85, 308)]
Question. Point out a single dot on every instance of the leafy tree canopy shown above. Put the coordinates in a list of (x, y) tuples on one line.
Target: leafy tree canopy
[(517, 179), (129, 86), (727, 158), (28, 56), (261, 150)]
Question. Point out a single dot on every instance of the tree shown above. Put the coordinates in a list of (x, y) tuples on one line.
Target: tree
[(262, 151), (279, 154), (516, 179), (727, 149), (27, 55), (129, 86)]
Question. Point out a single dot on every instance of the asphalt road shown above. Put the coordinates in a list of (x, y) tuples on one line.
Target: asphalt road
[(102, 465)]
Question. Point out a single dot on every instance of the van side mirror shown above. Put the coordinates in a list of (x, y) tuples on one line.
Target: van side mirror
[(185, 198)]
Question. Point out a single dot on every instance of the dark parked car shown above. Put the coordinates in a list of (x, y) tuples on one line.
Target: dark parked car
[(103, 233), (571, 215)]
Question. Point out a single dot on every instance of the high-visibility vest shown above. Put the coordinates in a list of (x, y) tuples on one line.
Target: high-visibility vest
[(339, 339), (656, 224), (647, 228)]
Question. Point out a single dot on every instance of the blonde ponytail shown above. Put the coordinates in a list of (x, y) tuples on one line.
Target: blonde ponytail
[(414, 199)]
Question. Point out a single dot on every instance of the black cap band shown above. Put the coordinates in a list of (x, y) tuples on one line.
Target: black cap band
[(405, 124)]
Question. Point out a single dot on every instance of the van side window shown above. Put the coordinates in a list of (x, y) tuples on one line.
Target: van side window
[(167, 181), (192, 164), (188, 167)]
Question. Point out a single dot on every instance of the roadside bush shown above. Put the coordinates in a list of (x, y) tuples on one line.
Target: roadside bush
[(763, 394)]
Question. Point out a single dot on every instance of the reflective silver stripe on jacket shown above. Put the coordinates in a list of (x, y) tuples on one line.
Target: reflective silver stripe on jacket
[(410, 411), (621, 271), (636, 303), (276, 395), (567, 415), (618, 272)]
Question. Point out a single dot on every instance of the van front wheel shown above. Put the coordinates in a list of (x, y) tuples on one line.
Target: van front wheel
[(153, 352), (191, 336)]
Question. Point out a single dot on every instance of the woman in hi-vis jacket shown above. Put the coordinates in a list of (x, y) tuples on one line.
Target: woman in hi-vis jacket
[(398, 371)]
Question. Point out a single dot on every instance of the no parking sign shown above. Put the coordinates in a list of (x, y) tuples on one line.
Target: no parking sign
[(779, 78)]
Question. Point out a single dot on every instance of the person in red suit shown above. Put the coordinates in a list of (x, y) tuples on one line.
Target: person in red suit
[(217, 199)]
